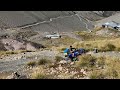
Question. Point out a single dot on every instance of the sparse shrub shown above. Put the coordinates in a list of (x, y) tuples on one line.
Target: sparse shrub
[(40, 73), (11, 52), (88, 49), (43, 61), (101, 61), (53, 65), (29, 51), (86, 61), (111, 73), (40, 76), (62, 49), (88, 45), (118, 49), (43, 76), (58, 58), (98, 28), (111, 47), (108, 47), (97, 75), (32, 63)]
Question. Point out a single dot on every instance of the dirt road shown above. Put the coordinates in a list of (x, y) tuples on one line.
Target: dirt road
[(17, 61)]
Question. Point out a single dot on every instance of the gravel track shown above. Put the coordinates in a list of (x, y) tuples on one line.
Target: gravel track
[(15, 62)]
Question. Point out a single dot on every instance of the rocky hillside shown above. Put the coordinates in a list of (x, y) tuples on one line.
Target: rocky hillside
[(50, 20)]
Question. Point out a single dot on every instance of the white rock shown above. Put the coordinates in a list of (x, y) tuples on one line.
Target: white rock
[(30, 67), (63, 62), (67, 69), (75, 72), (60, 76), (36, 58), (71, 63), (82, 70), (53, 71), (60, 68), (86, 78), (72, 72), (10, 77), (66, 72)]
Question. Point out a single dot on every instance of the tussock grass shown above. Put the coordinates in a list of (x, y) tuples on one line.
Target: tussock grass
[(43, 61), (31, 63), (40, 73), (101, 61), (58, 58), (88, 36), (111, 70), (13, 52), (97, 28), (86, 61), (102, 45), (7, 53), (108, 47), (97, 75)]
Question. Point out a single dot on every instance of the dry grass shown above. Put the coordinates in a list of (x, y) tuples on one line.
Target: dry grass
[(110, 71), (4, 75), (101, 61), (65, 76), (13, 52), (32, 63), (4, 53), (66, 40), (100, 44), (39, 73), (58, 58), (97, 28), (43, 61), (88, 36), (97, 75), (86, 61)]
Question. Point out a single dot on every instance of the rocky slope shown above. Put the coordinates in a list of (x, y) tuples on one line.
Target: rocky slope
[(49, 20)]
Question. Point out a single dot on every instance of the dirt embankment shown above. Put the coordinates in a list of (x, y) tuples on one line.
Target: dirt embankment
[(12, 44)]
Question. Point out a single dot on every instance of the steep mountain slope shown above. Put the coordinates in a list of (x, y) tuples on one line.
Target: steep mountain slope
[(19, 18), (51, 20), (109, 19), (63, 20)]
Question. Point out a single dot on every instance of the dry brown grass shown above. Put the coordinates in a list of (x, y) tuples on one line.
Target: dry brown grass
[(86, 61), (110, 71), (43, 61), (66, 40), (98, 44), (97, 28), (38, 73), (89, 36), (31, 63), (13, 52), (58, 58), (97, 74)]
